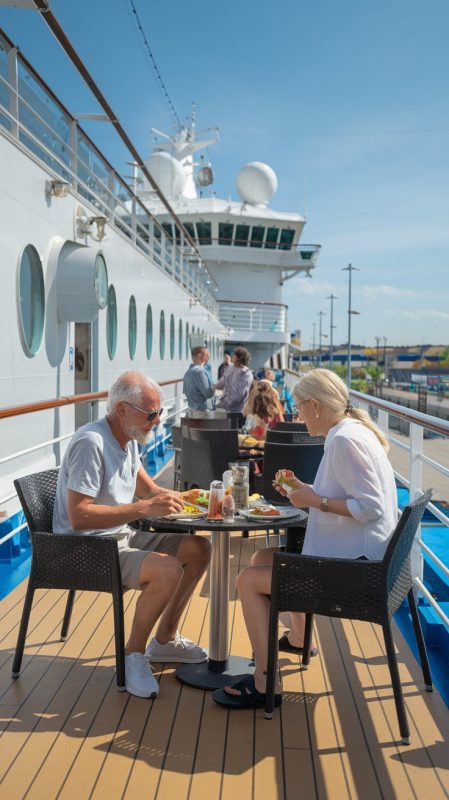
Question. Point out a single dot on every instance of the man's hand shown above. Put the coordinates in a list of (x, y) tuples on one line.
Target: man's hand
[(161, 504)]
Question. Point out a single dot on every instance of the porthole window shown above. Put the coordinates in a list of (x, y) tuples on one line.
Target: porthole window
[(162, 335), (149, 331), (111, 322), (132, 327), (31, 299), (187, 341), (180, 338), (101, 281), (172, 336)]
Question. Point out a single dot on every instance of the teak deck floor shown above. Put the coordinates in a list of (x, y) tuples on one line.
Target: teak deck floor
[(65, 731)]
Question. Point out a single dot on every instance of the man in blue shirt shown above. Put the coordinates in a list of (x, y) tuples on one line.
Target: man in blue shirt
[(197, 387)]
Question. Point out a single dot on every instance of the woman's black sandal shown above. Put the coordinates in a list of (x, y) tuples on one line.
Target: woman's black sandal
[(286, 647), (249, 697)]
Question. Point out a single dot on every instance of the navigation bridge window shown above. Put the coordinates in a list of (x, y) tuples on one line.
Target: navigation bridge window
[(306, 255), (272, 238), (225, 233), (257, 235), (241, 235), (287, 236), (190, 229), (203, 230)]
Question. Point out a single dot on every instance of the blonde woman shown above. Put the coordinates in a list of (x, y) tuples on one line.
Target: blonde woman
[(353, 511)]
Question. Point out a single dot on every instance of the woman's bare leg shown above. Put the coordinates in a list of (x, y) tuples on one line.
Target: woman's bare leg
[(254, 585), (295, 621)]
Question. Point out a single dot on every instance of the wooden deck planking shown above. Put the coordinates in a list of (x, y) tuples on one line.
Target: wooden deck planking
[(72, 735)]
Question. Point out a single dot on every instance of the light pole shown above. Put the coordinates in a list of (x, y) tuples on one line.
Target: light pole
[(350, 269), (314, 351), (331, 297), (385, 358), (320, 337)]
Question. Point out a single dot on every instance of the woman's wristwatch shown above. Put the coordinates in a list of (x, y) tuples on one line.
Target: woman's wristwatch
[(324, 505)]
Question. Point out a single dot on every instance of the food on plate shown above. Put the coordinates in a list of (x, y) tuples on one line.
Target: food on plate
[(202, 501), (265, 511), (191, 510)]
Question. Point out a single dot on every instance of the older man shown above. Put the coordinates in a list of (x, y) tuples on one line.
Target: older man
[(100, 478)]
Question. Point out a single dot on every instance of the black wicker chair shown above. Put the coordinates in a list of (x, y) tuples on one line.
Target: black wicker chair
[(176, 434), (304, 459), (72, 561), (206, 423), (205, 455), (290, 426), (292, 437), (365, 590)]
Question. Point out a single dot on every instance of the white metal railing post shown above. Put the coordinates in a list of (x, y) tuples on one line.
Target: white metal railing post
[(415, 488), (382, 421), (13, 79), (74, 153)]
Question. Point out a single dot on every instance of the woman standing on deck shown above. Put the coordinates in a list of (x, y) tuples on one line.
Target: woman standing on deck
[(353, 511)]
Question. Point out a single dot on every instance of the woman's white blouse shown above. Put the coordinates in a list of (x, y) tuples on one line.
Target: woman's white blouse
[(354, 467)]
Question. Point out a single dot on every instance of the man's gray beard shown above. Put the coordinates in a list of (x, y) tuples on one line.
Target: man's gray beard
[(138, 435)]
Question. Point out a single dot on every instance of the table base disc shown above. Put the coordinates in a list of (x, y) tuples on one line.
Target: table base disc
[(201, 677)]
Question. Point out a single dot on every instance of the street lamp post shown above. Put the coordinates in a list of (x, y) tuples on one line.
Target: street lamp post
[(350, 269), (331, 297), (314, 351), (320, 337)]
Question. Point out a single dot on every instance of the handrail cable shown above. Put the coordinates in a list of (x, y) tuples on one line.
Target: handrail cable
[(155, 66)]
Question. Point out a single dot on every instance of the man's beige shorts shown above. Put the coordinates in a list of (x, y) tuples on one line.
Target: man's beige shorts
[(134, 548)]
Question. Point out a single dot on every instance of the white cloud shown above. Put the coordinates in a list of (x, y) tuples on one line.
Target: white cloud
[(373, 292), (419, 314)]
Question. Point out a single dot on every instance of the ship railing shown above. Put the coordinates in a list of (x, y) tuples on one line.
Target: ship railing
[(35, 119), (246, 315), (174, 405), (417, 424), (389, 416)]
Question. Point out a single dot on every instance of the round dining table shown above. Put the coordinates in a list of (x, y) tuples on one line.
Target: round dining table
[(220, 669)]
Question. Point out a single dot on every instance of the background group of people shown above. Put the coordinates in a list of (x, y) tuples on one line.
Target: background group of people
[(253, 396)]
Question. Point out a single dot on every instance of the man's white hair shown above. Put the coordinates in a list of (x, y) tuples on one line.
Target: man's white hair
[(128, 388)]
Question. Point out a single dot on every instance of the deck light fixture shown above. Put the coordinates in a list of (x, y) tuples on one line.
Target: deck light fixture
[(84, 225), (57, 188)]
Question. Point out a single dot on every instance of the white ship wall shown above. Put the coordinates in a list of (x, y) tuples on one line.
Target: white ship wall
[(28, 216)]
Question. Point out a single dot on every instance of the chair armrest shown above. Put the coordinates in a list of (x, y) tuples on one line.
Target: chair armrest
[(75, 561), (336, 587)]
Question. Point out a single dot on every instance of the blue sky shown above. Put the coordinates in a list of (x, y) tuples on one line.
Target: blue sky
[(345, 99)]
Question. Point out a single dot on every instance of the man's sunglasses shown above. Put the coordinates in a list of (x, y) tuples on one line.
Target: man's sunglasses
[(150, 415)]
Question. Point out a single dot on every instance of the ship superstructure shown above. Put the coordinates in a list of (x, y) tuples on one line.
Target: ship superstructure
[(250, 249)]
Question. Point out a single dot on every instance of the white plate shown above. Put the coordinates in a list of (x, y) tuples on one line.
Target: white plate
[(285, 513), (186, 515)]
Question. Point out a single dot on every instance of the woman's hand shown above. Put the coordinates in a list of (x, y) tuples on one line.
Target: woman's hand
[(285, 481)]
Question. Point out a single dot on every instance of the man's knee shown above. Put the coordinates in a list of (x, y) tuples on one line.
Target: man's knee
[(161, 568), (194, 549)]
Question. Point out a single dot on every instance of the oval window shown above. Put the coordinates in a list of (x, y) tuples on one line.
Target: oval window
[(162, 335), (132, 327), (149, 331), (31, 299), (101, 281), (111, 322), (172, 336), (187, 341), (180, 339)]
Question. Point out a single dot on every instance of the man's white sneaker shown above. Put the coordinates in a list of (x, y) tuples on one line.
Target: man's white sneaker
[(139, 679), (179, 649)]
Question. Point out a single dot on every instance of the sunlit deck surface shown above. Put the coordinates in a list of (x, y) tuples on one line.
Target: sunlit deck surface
[(66, 732)]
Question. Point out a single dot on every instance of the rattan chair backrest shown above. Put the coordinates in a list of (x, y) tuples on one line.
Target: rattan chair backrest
[(37, 493)]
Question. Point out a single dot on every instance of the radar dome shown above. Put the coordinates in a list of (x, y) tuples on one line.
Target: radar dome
[(168, 174), (256, 183)]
